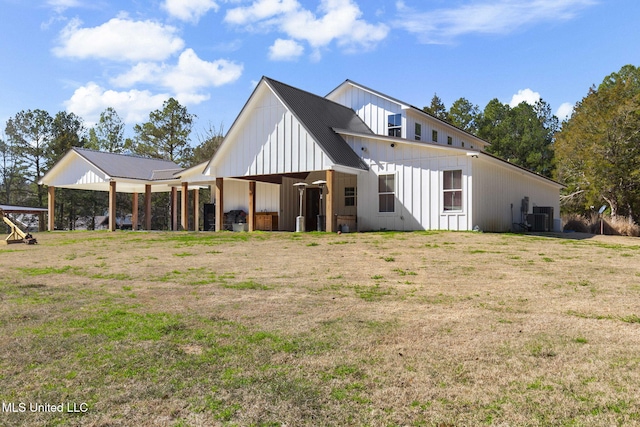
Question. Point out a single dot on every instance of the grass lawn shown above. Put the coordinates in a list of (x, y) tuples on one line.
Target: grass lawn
[(273, 329)]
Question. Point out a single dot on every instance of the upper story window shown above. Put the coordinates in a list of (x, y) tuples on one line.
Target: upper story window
[(418, 132), (434, 135), (449, 140), (394, 125)]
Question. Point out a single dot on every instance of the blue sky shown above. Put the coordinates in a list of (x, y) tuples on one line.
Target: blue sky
[(86, 55)]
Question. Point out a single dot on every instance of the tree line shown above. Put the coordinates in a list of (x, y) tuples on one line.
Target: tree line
[(595, 153), (34, 141)]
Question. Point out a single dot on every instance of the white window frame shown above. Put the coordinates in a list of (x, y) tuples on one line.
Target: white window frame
[(395, 127), (444, 191), (386, 193)]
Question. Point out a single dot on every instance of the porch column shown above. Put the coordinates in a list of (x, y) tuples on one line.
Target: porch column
[(184, 206), (134, 213), (147, 207), (252, 205), (330, 202), (219, 204), (196, 209), (112, 206), (174, 209), (52, 208)]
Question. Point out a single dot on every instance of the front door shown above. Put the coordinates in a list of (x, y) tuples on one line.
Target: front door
[(312, 209)]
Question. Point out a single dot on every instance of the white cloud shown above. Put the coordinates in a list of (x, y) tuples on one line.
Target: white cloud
[(61, 5), (133, 106), (484, 17), (189, 10), (260, 10), (339, 20), (119, 39), (524, 95), (189, 75), (564, 111), (285, 50)]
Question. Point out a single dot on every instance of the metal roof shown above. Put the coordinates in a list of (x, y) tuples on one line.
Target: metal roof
[(319, 116), (21, 209), (130, 167)]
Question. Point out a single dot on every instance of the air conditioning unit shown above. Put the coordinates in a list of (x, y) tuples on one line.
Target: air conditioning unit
[(548, 210), (538, 221)]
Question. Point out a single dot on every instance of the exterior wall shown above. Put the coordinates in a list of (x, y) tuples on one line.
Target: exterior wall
[(236, 196), (458, 138), (77, 171), (418, 187), (498, 187), (267, 139), (372, 109)]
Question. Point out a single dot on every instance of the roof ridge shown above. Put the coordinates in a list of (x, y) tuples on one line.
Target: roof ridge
[(309, 93), (138, 156)]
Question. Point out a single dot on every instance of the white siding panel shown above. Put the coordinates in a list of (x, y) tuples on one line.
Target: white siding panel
[(269, 141), (498, 193)]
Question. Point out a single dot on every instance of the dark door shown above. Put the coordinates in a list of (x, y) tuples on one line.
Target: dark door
[(312, 209)]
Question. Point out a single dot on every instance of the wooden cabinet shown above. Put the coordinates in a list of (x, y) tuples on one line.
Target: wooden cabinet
[(267, 221)]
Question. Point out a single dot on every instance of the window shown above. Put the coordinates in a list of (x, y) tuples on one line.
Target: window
[(449, 140), (462, 144), (395, 125), (434, 135), (452, 190), (350, 196), (386, 193), (418, 133)]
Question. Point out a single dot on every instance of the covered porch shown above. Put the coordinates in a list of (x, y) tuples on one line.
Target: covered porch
[(273, 203)]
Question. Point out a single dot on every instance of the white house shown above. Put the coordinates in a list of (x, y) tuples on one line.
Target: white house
[(387, 166)]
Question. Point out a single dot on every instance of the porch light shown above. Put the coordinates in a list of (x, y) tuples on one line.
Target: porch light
[(300, 219)]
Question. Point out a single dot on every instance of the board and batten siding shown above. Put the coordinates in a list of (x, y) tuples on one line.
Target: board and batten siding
[(497, 187), (268, 139), (236, 196), (418, 175), (374, 110)]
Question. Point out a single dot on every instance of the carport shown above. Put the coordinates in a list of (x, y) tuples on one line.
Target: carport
[(83, 169)]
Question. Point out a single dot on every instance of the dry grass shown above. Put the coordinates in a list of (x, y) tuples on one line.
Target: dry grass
[(612, 226), (380, 329)]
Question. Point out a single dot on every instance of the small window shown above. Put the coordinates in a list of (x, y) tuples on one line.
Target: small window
[(449, 140), (386, 193), (462, 144), (452, 190), (418, 132), (350, 196), (394, 125), (434, 135)]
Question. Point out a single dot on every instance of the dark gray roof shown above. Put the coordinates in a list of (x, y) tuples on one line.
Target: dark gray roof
[(130, 167), (319, 116)]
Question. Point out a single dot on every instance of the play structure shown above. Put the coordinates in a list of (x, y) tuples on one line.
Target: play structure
[(16, 235)]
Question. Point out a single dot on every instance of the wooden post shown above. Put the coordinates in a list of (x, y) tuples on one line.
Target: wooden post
[(330, 201), (252, 205), (134, 213), (52, 208), (112, 206), (147, 207), (184, 206), (219, 204), (174, 208), (196, 209)]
